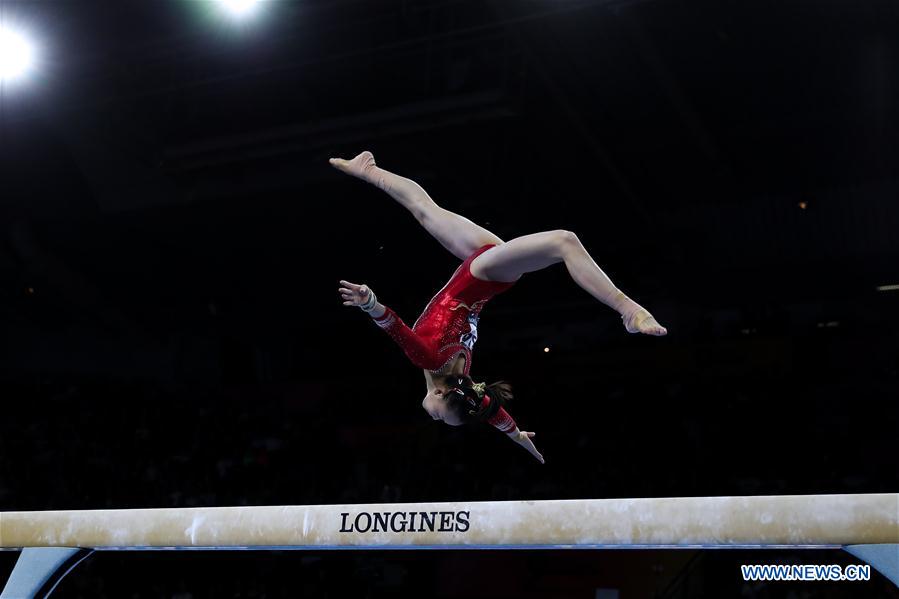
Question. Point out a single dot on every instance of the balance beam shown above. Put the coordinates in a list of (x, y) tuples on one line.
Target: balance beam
[(811, 521)]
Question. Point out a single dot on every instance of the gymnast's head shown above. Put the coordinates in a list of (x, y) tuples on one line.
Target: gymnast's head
[(457, 400)]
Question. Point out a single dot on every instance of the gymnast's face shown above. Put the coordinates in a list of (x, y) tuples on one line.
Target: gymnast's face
[(436, 405)]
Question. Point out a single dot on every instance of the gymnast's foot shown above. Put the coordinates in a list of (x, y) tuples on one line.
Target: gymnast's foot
[(362, 166), (639, 320)]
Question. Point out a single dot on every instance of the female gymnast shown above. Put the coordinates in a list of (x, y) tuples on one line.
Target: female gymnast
[(441, 340)]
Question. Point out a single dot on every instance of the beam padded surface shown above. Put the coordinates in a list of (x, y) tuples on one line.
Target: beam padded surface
[(707, 521)]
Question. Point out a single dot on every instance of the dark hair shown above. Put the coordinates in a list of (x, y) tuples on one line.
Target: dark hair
[(465, 402)]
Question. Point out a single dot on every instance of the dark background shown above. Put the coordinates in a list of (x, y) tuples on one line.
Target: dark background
[(172, 237)]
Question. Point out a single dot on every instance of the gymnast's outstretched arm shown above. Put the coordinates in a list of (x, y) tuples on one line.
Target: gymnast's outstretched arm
[(454, 232), (415, 348)]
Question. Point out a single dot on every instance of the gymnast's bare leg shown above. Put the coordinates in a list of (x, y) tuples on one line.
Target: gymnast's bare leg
[(507, 261), (454, 232)]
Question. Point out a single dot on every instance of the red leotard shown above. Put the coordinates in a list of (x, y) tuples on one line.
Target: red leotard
[(448, 326)]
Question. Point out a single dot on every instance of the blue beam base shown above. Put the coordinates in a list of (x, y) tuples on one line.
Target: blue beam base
[(883, 558), (39, 569)]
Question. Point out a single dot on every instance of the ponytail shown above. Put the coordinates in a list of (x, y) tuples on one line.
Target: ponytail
[(500, 391), (466, 398)]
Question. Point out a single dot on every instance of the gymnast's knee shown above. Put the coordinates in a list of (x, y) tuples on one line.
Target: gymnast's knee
[(566, 242), (423, 208)]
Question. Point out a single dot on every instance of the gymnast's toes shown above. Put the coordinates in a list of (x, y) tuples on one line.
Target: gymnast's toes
[(643, 322), (659, 331), (650, 326)]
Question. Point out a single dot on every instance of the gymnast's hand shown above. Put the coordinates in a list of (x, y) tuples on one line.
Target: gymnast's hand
[(362, 166), (523, 438), (352, 294)]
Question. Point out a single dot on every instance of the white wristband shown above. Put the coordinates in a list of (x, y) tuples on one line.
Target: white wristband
[(370, 303)]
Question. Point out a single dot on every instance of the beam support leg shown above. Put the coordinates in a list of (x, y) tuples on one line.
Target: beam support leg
[(39, 569), (884, 558)]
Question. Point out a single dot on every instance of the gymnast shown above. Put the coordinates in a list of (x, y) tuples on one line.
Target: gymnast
[(441, 340)]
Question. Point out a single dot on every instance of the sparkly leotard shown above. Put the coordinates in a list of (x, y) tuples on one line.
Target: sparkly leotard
[(448, 326)]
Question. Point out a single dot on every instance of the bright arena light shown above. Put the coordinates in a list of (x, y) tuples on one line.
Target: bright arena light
[(240, 8), (16, 54)]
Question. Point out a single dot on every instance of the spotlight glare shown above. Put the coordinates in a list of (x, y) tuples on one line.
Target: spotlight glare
[(894, 287), (16, 54), (240, 8)]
